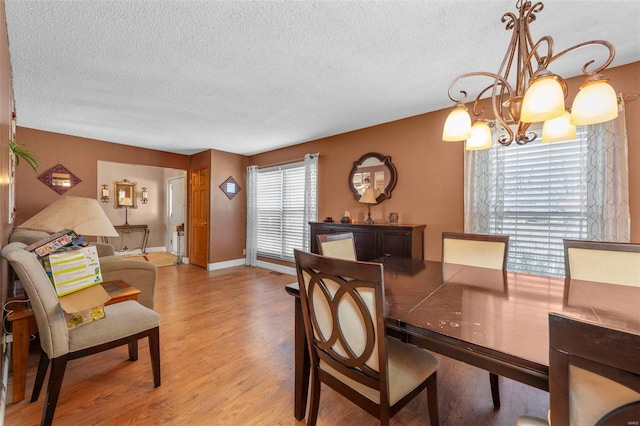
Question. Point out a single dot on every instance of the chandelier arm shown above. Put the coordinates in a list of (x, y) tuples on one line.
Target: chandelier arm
[(542, 61), (477, 74), (612, 54), (508, 138)]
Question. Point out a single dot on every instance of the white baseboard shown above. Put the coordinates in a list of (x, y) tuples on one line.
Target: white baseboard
[(226, 264), (276, 267), (262, 264)]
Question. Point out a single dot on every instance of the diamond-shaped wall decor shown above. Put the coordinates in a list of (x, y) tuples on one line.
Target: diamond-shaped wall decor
[(59, 178), (230, 187)]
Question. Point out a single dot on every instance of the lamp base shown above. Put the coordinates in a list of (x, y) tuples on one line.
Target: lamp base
[(369, 221)]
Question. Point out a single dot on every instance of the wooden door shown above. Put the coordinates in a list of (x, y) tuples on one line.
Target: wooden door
[(199, 217)]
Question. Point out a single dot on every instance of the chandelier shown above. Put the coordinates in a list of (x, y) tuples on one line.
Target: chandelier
[(537, 96)]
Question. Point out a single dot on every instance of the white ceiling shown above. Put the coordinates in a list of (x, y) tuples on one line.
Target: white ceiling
[(250, 76)]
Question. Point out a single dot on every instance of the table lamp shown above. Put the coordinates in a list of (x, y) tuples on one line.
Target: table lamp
[(82, 215), (368, 198)]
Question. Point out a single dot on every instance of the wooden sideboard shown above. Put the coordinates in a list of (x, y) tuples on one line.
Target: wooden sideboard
[(373, 241)]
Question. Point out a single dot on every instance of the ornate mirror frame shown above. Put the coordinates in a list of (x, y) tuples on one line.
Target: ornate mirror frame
[(59, 178), (373, 167), (125, 194)]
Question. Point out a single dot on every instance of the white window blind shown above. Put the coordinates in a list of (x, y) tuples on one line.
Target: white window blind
[(543, 200), (280, 211)]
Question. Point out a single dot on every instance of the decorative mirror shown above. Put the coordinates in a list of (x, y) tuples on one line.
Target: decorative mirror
[(376, 171), (59, 179), (230, 187), (124, 194)]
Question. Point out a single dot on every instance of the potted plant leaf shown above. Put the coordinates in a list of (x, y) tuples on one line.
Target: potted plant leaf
[(22, 153)]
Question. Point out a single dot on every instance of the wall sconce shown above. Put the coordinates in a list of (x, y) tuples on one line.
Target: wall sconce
[(145, 195), (105, 194)]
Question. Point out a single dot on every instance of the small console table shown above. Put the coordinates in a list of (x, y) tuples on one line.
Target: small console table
[(127, 229)]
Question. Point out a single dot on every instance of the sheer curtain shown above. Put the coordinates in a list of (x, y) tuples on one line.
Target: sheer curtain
[(252, 216), (600, 159), (607, 175), (483, 189), (310, 197)]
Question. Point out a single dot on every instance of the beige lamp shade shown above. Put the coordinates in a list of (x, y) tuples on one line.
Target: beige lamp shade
[(480, 137), (368, 197), (458, 125), (596, 102), (83, 215), (558, 129), (543, 100)]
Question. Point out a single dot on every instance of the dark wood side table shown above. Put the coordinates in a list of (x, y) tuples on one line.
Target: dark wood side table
[(23, 325)]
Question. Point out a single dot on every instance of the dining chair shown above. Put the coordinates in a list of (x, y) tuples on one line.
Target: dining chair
[(605, 262), (594, 375), (481, 250), (124, 324), (339, 245), (344, 319)]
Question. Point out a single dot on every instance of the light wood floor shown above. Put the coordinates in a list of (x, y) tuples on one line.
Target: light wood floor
[(227, 354)]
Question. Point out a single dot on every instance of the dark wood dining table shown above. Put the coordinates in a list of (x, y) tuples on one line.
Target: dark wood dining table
[(488, 318)]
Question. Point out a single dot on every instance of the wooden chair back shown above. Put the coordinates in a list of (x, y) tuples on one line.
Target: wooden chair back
[(482, 250), (340, 245), (612, 263), (344, 318), (594, 373), (343, 311)]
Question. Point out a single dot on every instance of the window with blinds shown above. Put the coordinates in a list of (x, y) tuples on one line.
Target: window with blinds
[(540, 201), (280, 211)]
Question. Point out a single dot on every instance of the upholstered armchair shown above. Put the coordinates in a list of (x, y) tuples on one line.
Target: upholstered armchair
[(124, 324), (138, 273)]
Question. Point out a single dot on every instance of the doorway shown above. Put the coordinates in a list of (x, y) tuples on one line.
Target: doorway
[(176, 216)]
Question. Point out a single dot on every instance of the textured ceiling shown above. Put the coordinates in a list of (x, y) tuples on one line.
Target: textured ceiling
[(250, 76)]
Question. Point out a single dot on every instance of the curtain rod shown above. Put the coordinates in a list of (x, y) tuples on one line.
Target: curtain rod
[(282, 163)]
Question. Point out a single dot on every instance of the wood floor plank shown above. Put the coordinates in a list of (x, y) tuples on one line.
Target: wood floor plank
[(226, 341)]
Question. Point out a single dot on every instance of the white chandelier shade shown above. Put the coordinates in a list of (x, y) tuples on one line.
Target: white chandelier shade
[(480, 136), (558, 129), (596, 102), (458, 125)]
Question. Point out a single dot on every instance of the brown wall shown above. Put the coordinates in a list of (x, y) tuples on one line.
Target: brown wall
[(228, 217), (430, 172), (80, 156), (6, 110)]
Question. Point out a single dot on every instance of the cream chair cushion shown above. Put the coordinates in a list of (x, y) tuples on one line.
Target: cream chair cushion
[(341, 249), (408, 366), (591, 396), (605, 266), (121, 319), (485, 254)]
